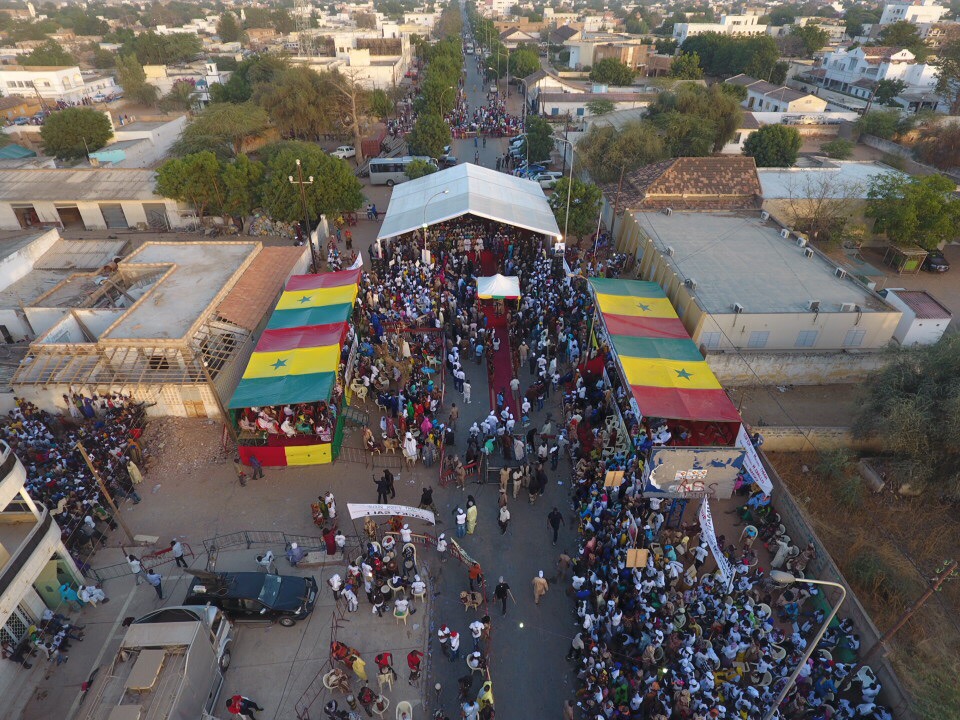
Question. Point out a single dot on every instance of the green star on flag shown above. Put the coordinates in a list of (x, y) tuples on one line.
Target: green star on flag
[(279, 364), (645, 308), (682, 373), (306, 298)]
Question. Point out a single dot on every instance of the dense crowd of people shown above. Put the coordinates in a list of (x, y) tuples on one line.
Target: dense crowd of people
[(295, 419), (108, 427)]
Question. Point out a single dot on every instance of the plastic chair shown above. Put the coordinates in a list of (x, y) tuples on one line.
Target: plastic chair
[(385, 678), (404, 710), (380, 705), (778, 653), (420, 596), (477, 669), (765, 610), (397, 589), (866, 675), (401, 616)]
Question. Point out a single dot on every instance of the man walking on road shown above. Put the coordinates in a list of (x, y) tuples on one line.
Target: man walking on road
[(501, 592), (540, 587), (555, 520), (154, 578), (243, 707), (466, 392), (177, 549)]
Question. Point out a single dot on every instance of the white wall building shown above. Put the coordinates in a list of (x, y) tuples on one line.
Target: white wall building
[(55, 83), (728, 25), (924, 319), (33, 562), (856, 72), (923, 11), (140, 144)]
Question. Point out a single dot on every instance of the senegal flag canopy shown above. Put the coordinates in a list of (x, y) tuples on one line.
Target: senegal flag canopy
[(665, 370), (298, 354)]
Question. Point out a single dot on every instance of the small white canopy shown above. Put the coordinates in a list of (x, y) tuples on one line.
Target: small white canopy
[(498, 287), (471, 190)]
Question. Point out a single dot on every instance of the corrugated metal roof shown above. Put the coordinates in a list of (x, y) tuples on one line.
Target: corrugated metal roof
[(67, 185), (924, 305), (256, 291)]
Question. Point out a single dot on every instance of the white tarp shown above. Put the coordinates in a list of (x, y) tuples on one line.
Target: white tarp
[(752, 464), (709, 535), (359, 510), (498, 287), (472, 190)]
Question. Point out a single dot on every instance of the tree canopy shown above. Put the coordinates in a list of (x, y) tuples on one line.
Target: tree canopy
[(774, 146), (686, 66), (48, 54), (524, 61), (585, 199), (921, 210), (334, 189), (223, 128), (193, 179), (913, 404), (154, 49), (418, 168), (611, 71), (133, 80), (604, 150), (948, 74), (539, 139), (905, 35), (811, 37), (228, 28), (726, 55), (430, 134), (72, 133)]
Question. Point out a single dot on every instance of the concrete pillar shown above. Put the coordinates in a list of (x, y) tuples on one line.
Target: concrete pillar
[(8, 218), (134, 213), (92, 217), (47, 212)]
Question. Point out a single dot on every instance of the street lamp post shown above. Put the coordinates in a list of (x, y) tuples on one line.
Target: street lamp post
[(442, 192), (442, 93), (306, 213), (566, 221), (785, 578)]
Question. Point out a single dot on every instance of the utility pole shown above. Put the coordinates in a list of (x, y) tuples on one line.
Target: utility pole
[(944, 574), (106, 494), (616, 203), (306, 213)]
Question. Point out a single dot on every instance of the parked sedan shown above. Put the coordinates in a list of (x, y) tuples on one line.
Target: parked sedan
[(548, 180), (936, 262)]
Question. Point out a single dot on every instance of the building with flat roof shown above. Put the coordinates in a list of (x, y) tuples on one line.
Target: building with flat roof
[(740, 284), (172, 324), (925, 319), (89, 199), (55, 83)]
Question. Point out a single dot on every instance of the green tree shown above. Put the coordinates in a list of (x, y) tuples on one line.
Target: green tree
[(881, 123), (921, 210), (180, 97), (335, 188), (939, 145), (194, 179), (223, 128), (429, 136), (913, 404), (635, 25), (524, 61), (585, 199), (726, 55), (686, 66), (48, 54), (905, 35), (103, 59), (813, 37), (948, 74), (666, 46), (856, 16), (605, 150), (611, 71), (242, 179), (539, 141), (419, 168), (72, 133), (887, 90), (686, 135), (719, 111), (381, 104), (601, 107), (299, 103), (133, 80), (774, 146), (838, 149), (154, 49), (228, 28)]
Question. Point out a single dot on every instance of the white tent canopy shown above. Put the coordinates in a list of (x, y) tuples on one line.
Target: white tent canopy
[(498, 287), (471, 190)]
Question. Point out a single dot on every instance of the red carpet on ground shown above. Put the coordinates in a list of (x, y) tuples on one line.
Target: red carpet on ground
[(502, 360), (488, 263)]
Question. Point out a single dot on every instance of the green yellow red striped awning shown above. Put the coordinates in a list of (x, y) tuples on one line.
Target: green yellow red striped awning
[(297, 357), (665, 370)]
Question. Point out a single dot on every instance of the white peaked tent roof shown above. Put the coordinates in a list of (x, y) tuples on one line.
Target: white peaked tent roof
[(472, 189), (498, 286)]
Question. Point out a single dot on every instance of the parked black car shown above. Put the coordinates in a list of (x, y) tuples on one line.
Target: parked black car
[(255, 595), (935, 262)]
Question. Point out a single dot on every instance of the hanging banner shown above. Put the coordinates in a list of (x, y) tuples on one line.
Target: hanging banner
[(709, 536), (751, 462), (691, 472), (358, 263), (359, 510)]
